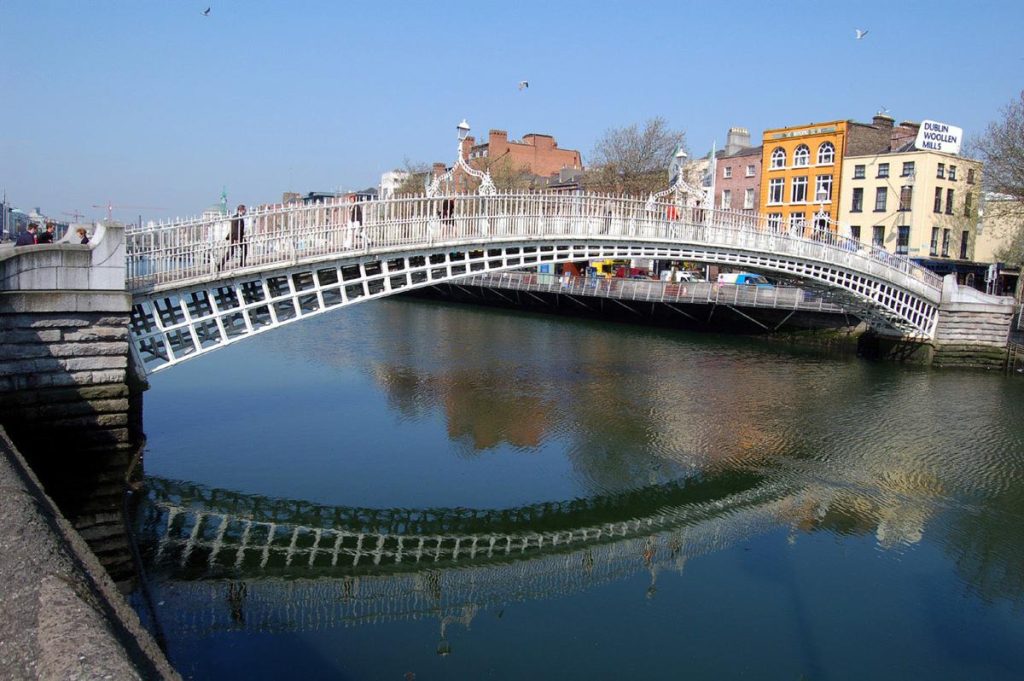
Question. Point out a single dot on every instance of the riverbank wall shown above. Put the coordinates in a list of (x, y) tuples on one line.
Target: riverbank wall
[(66, 397), (63, 615)]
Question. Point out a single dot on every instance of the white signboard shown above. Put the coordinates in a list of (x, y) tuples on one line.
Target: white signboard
[(935, 136)]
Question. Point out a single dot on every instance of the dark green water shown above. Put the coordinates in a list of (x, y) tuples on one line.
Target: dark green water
[(458, 493)]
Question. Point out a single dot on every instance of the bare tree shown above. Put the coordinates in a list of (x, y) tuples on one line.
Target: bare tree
[(1002, 150), (634, 160), (416, 180)]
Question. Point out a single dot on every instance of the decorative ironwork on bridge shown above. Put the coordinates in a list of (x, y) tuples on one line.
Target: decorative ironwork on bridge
[(306, 260)]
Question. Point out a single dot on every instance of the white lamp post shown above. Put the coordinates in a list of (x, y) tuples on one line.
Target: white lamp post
[(487, 187)]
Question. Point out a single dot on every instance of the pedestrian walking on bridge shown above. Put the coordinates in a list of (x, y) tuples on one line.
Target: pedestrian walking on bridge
[(236, 239)]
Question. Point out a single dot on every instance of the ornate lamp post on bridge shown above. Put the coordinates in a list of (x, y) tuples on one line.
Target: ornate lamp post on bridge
[(487, 187), (678, 184)]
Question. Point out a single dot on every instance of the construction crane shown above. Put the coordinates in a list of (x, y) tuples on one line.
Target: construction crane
[(74, 214), (110, 206)]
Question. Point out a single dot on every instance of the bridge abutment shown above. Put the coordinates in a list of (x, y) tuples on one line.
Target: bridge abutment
[(66, 396), (973, 328)]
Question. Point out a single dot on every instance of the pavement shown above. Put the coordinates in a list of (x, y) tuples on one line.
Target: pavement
[(63, 617)]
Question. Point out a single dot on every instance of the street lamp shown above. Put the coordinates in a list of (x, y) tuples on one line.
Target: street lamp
[(487, 187), (821, 217)]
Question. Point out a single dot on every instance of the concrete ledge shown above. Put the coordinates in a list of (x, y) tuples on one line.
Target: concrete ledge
[(73, 302), (62, 615)]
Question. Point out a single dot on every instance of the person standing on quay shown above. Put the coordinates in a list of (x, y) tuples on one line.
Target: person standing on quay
[(236, 238), (28, 237), (81, 235)]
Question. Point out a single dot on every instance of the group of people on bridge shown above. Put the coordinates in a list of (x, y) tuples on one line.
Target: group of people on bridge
[(31, 235)]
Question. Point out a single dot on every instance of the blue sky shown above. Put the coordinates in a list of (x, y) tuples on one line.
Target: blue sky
[(152, 104)]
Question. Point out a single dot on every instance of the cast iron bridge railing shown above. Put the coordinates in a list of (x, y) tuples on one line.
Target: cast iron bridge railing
[(195, 291)]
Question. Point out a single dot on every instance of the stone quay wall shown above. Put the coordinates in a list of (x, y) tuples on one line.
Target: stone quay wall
[(66, 399), (63, 615), (973, 328)]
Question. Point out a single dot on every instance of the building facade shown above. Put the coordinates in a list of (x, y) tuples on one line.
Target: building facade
[(536, 154), (801, 170), (738, 173), (920, 204)]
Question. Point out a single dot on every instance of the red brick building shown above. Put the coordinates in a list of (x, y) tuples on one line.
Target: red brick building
[(738, 170), (535, 154)]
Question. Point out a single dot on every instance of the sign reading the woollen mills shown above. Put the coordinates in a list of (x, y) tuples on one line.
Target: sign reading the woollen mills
[(935, 136)]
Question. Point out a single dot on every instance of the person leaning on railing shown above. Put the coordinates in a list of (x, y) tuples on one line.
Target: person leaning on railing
[(28, 237)]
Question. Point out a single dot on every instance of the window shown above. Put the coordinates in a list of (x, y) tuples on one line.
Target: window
[(826, 154), (796, 224), (880, 196), (970, 176), (778, 158), (802, 156), (908, 169), (751, 169), (935, 242), (726, 199), (968, 200), (906, 196), (799, 191), (941, 172), (855, 232), (883, 170), (949, 200), (858, 171), (902, 240), (775, 190), (945, 243), (952, 173), (965, 242), (727, 172), (775, 221), (823, 189), (937, 208), (748, 199), (858, 200), (878, 236)]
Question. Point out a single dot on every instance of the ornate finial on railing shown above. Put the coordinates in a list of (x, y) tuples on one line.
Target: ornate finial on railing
[(678, 185), (487, 187)]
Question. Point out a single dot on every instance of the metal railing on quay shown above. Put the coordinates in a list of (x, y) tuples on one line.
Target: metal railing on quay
[(660, 292), (197, 247)]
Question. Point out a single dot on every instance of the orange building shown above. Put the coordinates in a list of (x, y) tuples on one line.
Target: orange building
[(801, 169)]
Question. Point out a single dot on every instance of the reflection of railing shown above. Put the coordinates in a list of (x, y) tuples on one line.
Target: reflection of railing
[(222, 533), (789, 298), (278, 236), (300, 602)]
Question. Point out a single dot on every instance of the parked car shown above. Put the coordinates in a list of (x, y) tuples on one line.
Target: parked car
[(744, 279)]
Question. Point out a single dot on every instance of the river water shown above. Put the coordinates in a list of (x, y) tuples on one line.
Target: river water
[(406, 490)]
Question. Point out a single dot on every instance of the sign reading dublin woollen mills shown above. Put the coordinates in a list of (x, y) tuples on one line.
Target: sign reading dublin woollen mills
[(935, 136)]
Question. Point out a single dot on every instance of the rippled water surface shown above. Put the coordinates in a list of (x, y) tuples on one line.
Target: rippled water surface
[(408, 490)]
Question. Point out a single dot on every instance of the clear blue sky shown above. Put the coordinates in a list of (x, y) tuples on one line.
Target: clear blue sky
[(153, 104)]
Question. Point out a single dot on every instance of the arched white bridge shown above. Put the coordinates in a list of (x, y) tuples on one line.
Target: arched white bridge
[(194, 291)]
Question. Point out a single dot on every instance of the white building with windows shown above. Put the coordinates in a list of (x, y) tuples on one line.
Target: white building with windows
[(912, 202), (391, 181)]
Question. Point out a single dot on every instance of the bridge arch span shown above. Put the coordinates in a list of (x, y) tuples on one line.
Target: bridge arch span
[(192, 292)]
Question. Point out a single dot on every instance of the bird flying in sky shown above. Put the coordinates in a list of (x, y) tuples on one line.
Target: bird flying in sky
[(523, 84), (206, 12), (860, 33)]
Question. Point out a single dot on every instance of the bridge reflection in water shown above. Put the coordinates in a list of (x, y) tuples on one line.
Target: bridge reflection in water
[(234, 562)]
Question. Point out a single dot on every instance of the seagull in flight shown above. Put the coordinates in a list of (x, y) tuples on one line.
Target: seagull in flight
[(523, 84), (860, 33), (206, 12)]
